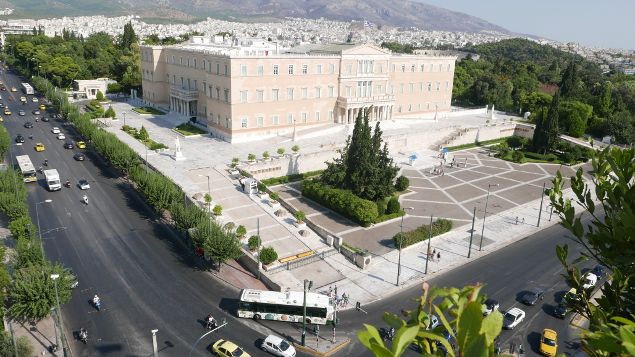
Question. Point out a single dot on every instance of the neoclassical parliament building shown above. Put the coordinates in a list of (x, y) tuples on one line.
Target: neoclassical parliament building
[(242, 89)]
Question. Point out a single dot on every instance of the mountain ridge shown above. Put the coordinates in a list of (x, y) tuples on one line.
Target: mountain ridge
[(405, 13)]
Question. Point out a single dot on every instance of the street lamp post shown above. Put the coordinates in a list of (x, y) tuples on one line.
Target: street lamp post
[(542, 198), (489, 185), (294, 134), (429, 239), (39, 231), (209, 192), (60, 323), (400, 240), (124, 118), (154, 343), (307, 286)]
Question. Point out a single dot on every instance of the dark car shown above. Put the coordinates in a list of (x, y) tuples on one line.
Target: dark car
[(36, 112), (489, 306), (46, 119), (599, 270), (532, 296), (69, 145), (561, 310), (19, 139), (3, 88), (28, 125), (79, 156), (21, 113), (1, 105)]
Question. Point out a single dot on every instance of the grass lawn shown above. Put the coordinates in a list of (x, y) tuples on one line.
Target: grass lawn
[(188, 129), (148, 110), (474, 145)]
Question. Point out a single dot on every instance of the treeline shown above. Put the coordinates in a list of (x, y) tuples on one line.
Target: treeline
[(62, 59), (519, 75)]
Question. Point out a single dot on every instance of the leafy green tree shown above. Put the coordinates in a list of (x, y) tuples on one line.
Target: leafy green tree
[(268, 255), (606, 237), (574, 117), (551, 126), (280, 151), (143, 134), (534, 102), (217, 210), (5, 141), (605, 105), (569, 83), (620, 125), (129, 37), (300, 216), (241, 231), (295, 149), (219, 242), (460, 314), (402, 183), (110, 112), (393, 205), (32, 294), (517, 156)]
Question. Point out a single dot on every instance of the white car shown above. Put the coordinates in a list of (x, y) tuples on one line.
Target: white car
[(34, 99), (513, 317), (277, 346), (489, 306), (83, 184), (589, 281), (61, 136), (55, 130)]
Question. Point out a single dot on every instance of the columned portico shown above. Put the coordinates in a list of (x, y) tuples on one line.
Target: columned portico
[(184, 101)]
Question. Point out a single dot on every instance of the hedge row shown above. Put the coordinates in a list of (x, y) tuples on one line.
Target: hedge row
[(422, 233), (343, 202), (290, 178)]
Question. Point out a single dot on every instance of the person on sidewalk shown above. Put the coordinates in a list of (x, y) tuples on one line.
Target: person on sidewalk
[(439, 256)]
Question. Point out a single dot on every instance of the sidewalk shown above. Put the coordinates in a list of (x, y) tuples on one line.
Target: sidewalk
[(42, 335)]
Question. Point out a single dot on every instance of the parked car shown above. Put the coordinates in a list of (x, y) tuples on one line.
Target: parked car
[(226, 348), (14, 89), (599, 271), (489, 306), (79, 156), (549, 342), (23, 99), (589, 280), (277, 346), (532, 296), (513, 317), (69, 145), (19, 139), (55, 130)]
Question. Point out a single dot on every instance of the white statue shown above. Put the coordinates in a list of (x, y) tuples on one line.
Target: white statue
[(178, 155)]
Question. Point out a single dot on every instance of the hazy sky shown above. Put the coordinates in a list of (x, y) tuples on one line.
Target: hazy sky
[(604, 23)]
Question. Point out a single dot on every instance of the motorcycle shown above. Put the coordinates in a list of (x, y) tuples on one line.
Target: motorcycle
[(210, 323), (67, 184), (387, 334), (85, 199), (40, 169), (46, 162), (97, 304), (83, 335)]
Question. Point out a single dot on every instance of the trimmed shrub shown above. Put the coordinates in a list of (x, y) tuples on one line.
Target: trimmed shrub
[(393, 206), (290, 178), (265, 155), (251, 157), (280, 151), (268, 255), (381, 207), (402, 183), (143, 134), (241, 231), (517, 156), (254, 242), (274, 196), (422, 233), (344, 202), (295, 148), (99, 96), (217, 210), (299, 216)]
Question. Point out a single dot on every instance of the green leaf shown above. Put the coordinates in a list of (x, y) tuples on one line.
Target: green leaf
[(492, 326), (404, 338), (477, 347), (469, 324)]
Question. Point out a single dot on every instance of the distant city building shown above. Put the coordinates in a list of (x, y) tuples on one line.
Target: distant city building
[(87, 89), (247, 88)]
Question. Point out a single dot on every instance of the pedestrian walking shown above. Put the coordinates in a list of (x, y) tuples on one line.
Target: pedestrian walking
[(439, 256)]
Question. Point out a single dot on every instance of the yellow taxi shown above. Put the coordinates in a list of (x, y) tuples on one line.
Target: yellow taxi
[(39, 147), (228, 349), (14, 89), (7, 111), (80, 145), (549, 342), (42, 107), (1, 119), (23, 99)]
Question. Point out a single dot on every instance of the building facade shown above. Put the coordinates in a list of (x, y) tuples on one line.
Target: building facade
[(241, 90)]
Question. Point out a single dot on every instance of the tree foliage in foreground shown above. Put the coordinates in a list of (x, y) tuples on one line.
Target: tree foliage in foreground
[(460, 314), (609, 239)]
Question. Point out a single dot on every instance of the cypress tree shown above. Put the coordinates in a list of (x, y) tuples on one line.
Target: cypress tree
[(551, 126), (539, 134), (569, 80)]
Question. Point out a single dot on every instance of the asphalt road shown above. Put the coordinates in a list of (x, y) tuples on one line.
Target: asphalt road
[(148, 280)]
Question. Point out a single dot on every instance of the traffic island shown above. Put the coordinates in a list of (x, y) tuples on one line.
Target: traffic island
[(321, 346)]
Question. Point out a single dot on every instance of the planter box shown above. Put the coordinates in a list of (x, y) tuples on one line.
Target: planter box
[(274, 204), (263, 195), (299, 225)]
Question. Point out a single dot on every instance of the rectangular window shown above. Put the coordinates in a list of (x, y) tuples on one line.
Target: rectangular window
[(195, 84), (393, 68), (403, 67), (243, 122), (275, 120), (275, 94), (290, 69), (227, 123), (261, 70), (289, 93), (226, 70), (421, 87), (317, 116), (412, 68), (243, 96), (305, 93), (379, 88), (260, 96), (194, 62), (173, 59), (304, 117), (275, 69), (331, 68), (218, 93), (440, 67), (181, 61), (412, 88), (331, 91), (423, 67), (290, 118), (217, 68), (243, 70), (318, 69), (227, 95), (260, 121), (305, 69), (218, 119), (318, 92)]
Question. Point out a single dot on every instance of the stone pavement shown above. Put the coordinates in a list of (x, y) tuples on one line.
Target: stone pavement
[(42, 335)]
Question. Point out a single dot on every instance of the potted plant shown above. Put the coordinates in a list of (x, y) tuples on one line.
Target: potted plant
[(234, 163), (218, 210), (251, 157), (299, 219), (268, 255), (295, 149), (273, 200), (266, 156), (280, 152), (241, 231), (262, 191), (254, 242)]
